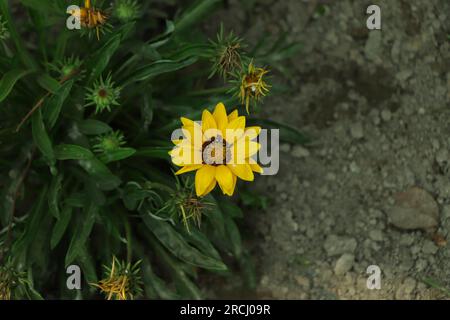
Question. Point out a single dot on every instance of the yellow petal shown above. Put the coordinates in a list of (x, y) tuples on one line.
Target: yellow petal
[(203, 178), (186, 121), (235, 130), (237, 124), (252, 132), (233, 115), (225, 179), (243, 171), (220, 115), (208, 121), (256, 167), (188, 168), (210, 187), (242, 150), (234, 184), (185, 155)]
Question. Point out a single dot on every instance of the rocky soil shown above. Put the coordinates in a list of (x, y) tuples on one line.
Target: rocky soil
[(372, 187)]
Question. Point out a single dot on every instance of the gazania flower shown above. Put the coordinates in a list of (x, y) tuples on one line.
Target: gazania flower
[(252, 86), (126, 10), (122, 281), (103, 95), (109, 142), (227, 54), (67, 67), (91, 18), (220, 150)]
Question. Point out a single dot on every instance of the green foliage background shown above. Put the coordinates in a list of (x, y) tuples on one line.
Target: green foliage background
[(61, 203)]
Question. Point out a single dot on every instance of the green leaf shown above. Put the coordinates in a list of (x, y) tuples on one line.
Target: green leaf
[(60, 226), (48, 83), (178, 246), (41, 138), (72, 152), (54, 195), (93, 127), (103, 177), (229, 208), (116, 155), (86, 260), (81, 234), (234, 236), (154, 286), (101, 57), (253, 199), (53, 105), (153, 69), (154, 152), (194, 14), (8, 81)]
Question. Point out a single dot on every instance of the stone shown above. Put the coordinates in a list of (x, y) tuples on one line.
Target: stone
[(414, 209), (300, 152), (406, 289), (337, 245), (344, 264), (386, 115), (429, 247), (376, 235), (357, 131)]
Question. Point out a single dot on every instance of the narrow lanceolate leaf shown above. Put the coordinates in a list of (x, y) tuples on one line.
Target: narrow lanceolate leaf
[(178, 246), (54, 195), (54, 104), (41, 138), (194, 14), (117, 155), (60, 226), (72, 152), (48, 83), (159, 67), (101, 57), (154, 152), (8, 81), (81, 234), (93, 127)]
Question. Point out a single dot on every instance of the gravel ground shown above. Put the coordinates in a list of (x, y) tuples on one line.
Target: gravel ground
[(372, 188)]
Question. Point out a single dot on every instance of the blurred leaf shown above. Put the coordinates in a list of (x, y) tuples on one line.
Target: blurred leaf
[(60, 226), (253, 199), (194, 14), (229, 208), (153, 69), (116, 155), (154, 152), (101, 57), (41, 138), (53, 105), (8, 81), (178, 246), (93, 127), (54, 195), (48, 83), (81, 234), (72, 152)]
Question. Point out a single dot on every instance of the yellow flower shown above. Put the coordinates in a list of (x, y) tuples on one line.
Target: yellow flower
[(253, 87), (220, 149), (122, 281)]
